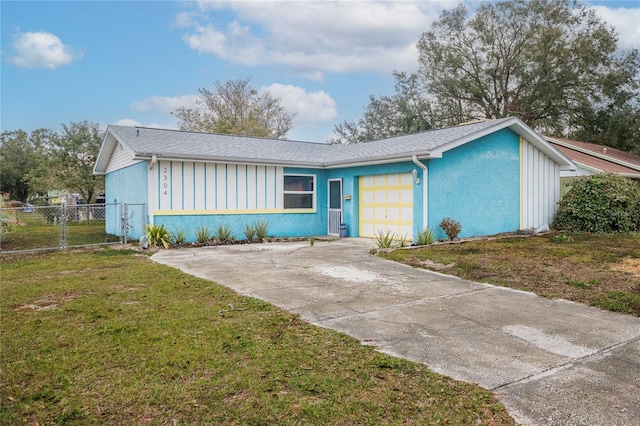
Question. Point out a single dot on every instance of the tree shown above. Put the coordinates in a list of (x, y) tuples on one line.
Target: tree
[(236, 108), (407, 111), (545, 61), (14, 162), (73, 156), (22, 159)]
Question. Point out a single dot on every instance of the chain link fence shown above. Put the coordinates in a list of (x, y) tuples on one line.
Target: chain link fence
[(33, 228)]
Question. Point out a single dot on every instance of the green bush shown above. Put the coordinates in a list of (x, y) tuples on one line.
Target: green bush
[(157, 234), (425, 237), (224, 232), (261, 228), (600, 203), (203, 234), (249, 231), (179, 236)]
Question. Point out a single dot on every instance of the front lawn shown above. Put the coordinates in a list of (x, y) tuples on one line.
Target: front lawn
[(599, 270), (32, 231), (110, 337)]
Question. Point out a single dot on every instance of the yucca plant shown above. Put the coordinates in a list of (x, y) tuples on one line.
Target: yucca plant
[(425, 237), (385, 239), (249, 231), (403, 241), (224, 232), (203, 234), (179, 236), (261, 228), (157, 234)]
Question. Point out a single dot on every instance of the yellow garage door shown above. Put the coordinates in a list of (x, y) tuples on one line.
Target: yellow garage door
[(386, 204)]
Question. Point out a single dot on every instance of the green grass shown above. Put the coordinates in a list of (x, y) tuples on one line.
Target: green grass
[(109, 337), (33, 232), (599, 270)]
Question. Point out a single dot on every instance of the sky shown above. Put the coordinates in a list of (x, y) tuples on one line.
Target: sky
[(132, 63)]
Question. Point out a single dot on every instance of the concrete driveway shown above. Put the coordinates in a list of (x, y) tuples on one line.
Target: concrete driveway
[(550, 362)]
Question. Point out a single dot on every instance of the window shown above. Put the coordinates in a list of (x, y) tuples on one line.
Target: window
[(299, 191)]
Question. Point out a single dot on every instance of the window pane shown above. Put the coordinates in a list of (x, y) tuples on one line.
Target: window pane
[(298, 183), (298, 201), (334, 194)]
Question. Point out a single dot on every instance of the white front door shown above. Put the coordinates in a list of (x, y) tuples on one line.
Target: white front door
[(335, 206)]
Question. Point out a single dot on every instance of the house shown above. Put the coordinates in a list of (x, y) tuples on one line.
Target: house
[(591, 158), (492, 176)]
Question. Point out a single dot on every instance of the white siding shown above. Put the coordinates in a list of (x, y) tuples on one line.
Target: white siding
[(120, 159), (540, 187), (188, 186)]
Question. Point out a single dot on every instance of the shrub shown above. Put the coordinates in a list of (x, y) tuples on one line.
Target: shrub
[(203, 234), (600, 203), (224, 232), (425, 237), (261, 228), (249, 231), (384, 240), (157, 234), (179, 236), (450, 227)]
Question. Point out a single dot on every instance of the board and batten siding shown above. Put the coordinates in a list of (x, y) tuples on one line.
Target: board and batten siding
[(540, 187), (120, 159), (184, 187)]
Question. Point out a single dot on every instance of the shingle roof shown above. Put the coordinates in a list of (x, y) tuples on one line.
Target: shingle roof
[(145, 142), (599, 157)]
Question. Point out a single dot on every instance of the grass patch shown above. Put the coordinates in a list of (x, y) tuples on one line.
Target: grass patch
[(33, 232), (599, 270), (110, 337)]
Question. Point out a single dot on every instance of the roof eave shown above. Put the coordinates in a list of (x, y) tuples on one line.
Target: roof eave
[(593, 153), (229, 160)]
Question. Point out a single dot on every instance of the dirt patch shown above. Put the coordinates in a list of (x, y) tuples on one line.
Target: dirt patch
[(435, 266), (47, 303), (631, 265)]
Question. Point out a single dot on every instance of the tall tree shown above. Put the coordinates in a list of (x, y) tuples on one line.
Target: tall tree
[(15, 161), (73, 157), (236, 108), (407, 111), (544, 61)]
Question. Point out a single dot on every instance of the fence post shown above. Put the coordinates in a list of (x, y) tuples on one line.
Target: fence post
[(63, 223), (125, 222)]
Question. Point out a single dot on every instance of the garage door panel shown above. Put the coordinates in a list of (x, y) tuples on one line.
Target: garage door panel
[(386, 205)]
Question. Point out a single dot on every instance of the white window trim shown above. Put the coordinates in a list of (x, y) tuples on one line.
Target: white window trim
[(313, 193)]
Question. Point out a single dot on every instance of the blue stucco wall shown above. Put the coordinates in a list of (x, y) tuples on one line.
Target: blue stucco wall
[(127, 185), (280, 225), (350, 179), (478, 184)]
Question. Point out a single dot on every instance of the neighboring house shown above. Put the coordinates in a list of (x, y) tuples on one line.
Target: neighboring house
[(491, 176), (592, 158)]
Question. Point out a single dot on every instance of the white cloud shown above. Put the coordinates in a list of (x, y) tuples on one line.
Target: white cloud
[(626, 22), (165, 104), (133, 123), (309, 107), (41, 50), (318, 37)]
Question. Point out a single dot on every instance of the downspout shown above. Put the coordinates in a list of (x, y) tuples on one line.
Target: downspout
[(425, 188), (154, 160)]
